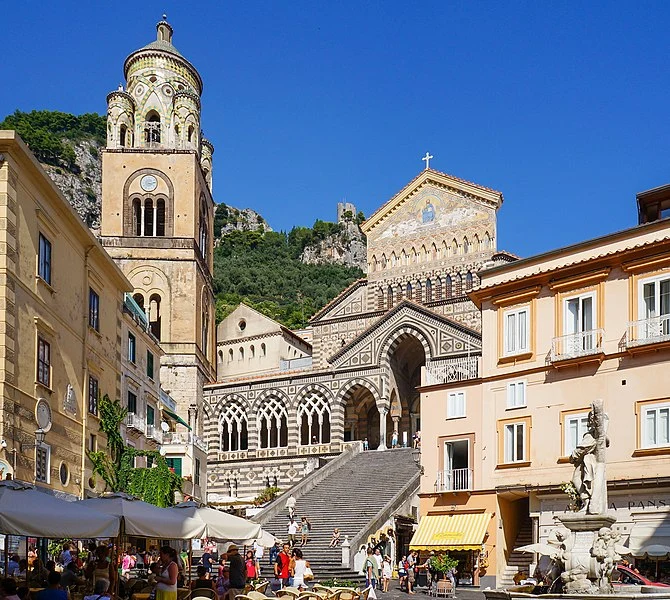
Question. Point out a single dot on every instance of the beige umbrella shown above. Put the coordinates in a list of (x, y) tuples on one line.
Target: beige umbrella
[(217, 525)]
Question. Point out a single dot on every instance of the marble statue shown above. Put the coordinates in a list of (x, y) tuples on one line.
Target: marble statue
[(589, 477), (606, 552)]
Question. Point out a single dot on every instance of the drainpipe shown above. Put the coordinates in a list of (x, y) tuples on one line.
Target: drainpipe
[(84, 366)]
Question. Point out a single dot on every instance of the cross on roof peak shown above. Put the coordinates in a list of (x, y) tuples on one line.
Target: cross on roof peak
[(427, 159)]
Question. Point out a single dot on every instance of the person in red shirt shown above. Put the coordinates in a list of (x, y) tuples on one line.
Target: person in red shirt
[(250, 566), (282, 566)]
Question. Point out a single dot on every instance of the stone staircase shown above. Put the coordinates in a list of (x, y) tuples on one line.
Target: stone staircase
[(353, 497), (518, 561)]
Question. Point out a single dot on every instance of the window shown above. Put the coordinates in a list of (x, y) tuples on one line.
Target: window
[(516, 331), (654, 307), (230, 355), (515, 442), (92, 442), (656, 426), (429, 290), (132, 348), (233, 428), (43, 362), (174, 464), (42, 463), (44, 260), (575, 428), (151, 415), (93, 309), (93, 391), (132, 403), (150, 365), (273, 424), (196, 473), (63, 474), (516, 394), (314, 420), (455, 405)]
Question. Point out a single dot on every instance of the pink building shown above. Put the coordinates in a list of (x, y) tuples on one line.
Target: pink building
[(559, 330)]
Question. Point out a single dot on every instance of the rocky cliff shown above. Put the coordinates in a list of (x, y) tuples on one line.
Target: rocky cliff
[(346, 247), (228, 218)]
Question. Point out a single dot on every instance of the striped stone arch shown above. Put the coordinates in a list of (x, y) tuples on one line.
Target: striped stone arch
[(352, 383), (258, 402), (231, 398), (393, 340), (312, 387)]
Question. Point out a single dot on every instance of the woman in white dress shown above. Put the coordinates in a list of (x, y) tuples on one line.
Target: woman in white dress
[(298, 568)]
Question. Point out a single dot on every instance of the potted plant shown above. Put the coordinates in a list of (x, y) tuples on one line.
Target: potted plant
[(442, 564)]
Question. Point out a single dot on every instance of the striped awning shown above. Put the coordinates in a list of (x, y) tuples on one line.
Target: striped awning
[(451, 532)]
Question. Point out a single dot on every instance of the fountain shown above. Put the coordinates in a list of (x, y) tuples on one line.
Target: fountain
[(584, 558)]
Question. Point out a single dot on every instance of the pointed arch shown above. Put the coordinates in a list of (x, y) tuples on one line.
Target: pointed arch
[(233, 427), (468, 281), (476, 244), (273, 422), (403, 258), (408, 291), (433, 252), (429, 290), (454, 247), (423, 256), (458, 285), (466, 245), (394, 259), (448, 287)]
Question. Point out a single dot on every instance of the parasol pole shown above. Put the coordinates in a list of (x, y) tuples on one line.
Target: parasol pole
[(190, 561)]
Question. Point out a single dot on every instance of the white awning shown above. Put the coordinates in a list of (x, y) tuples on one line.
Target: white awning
[(649, 533)]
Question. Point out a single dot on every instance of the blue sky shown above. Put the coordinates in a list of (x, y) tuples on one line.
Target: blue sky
[(561, 106)]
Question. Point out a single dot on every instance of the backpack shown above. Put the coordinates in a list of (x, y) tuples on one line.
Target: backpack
[(309, 526)]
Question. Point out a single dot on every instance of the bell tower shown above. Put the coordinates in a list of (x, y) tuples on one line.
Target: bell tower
[(158, 212)]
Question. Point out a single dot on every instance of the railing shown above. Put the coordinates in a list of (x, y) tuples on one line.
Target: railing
[(648, 331), (134, 421), (154, 433), (575, 345), (454, 480), (183, 439), (167, 400), (455, 369), (151, 134)]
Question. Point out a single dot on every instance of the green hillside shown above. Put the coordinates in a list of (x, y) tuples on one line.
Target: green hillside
[(265, 271)]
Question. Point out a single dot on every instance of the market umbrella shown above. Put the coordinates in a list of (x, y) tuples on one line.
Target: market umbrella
[(146, 520), (655, 551), (265, 539), (27, 511), (217, 524)]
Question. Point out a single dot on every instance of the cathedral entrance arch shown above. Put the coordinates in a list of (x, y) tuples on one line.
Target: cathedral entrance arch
[(405, 353), (361, 413)]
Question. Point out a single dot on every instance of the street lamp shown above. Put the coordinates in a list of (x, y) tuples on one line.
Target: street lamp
[(416, 455), (40, 434)]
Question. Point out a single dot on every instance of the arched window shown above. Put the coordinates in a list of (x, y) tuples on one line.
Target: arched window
[(152, 129), (241, 353), (433, 252), (139, 299), (314, 420), (263, 350), (403, 258), (487, 241), (149, 221), (176, 136), (448, 287), (205, 331), (439, 291), (423, 255), (160, 217), (380, 298), (190, 134), (230, 355), (273, 423), (454, 248), (408, 291), (137, 217), (458, 285), (123, 133), (383, 261), (468, 281), (466, 245), (203, 228), (252, 352), (389, 297), (476, 244), (417, 292), (414, 256), (373, 264), (233, 428), (155, 315), (429, 290)]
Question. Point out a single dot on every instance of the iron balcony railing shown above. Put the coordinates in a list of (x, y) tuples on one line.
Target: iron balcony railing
[(648, 331), (179, 438), (135, 422), (454, 369), (154, 433), (454, 480), (575, 345)]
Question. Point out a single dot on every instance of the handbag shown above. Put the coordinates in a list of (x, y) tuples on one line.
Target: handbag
[(309, 574)]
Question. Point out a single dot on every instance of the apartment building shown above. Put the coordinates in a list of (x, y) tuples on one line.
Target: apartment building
[(559, 330), (60, 305)]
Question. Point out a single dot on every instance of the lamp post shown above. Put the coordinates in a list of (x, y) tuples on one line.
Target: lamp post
[(416, 455), (40, 434)]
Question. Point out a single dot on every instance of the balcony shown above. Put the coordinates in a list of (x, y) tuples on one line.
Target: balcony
[(154, 433), (134, 421), (455, 369), (654, 330), (577, 346), (176, 438), (454, 480)]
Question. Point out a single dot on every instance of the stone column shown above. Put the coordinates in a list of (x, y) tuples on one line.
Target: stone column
[(396, 422), (382, 428)]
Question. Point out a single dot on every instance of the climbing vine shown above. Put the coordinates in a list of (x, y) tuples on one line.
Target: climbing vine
[(156, 483)]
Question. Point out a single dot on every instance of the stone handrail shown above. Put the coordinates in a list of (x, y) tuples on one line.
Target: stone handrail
[(278, 505), (410, 488)]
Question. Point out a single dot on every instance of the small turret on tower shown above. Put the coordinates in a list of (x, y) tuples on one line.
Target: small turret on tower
[(164, 30)]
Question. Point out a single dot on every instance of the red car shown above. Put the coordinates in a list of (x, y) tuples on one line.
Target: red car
[(626, 576)]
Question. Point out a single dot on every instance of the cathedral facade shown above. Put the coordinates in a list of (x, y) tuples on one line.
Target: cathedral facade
[(283, 399)]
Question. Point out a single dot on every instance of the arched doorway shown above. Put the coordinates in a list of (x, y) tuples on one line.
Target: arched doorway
[(406, 356), (361, 415)]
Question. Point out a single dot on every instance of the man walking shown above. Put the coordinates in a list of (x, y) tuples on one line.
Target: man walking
[(371, 570), (290, 506), (282, 566), (292, 532), (236, 572)]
